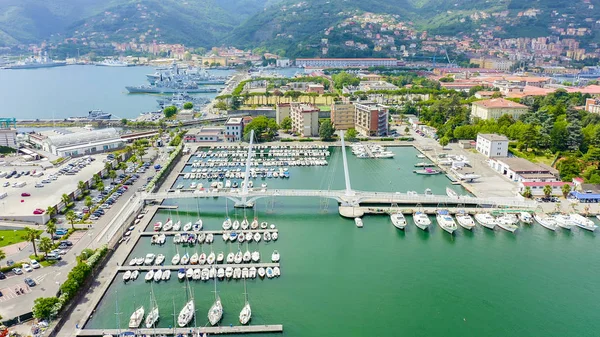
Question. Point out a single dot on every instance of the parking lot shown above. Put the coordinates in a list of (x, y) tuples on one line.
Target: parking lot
[(44, 190)]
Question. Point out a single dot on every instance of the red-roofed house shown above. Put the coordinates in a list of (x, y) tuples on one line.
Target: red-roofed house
[(496, 107)]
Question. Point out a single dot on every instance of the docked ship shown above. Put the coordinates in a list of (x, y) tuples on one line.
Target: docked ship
[(169, 87), (174, 73), (113, 63), (179, 99), (95, 115), (35, 62)]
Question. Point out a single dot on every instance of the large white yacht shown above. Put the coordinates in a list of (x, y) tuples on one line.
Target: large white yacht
[(486, 220), (445, 221)]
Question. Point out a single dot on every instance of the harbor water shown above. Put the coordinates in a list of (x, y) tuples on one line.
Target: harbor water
[(339, 280)]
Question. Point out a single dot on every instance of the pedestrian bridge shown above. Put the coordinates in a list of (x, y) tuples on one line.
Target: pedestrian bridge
[(247, 198)]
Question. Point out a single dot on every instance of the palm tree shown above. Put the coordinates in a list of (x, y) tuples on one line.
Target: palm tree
[(65, 199), (88, 201), (122, 166), (81, 186), (31, 235), (70, 216), (51, 210), (547, 190), (46, 245), (112, 174), (527, 192), (566, 188), (51, 229), (108, 166), (97, 178)]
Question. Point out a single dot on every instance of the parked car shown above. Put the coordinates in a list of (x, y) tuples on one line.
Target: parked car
[(53, 256), (61, 231), (39, 185), (35, 264), (38, 211), (30, 282), (2, 276), (26, 267), (67, 242), (6, 184), (25, 194), (17, 271)]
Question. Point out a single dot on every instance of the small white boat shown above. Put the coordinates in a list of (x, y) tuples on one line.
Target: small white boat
[(545, 221), (139, 261), (197, 225), (398, 220), (245, 273), (451, 193), (274, 236), (166, 275), (254, 224), (235, 225), (358, 222), (230, 257), (255, 256), (197, 274), (209, 238), (133, 261), (267, 236), (177, 226), (181, 274), (158, 275), (227, 224), (445, 221), (220, 257), (210, 259), (507, 222), (465, 220), (241, 238), (421, 220), (134, 275), (136, 318), (189, 273), (247, 256), (526, 218), (276, 271), (160, 258), (257, 237), (221, 273), (187, 227), (157, 226), (152, 317), (264, 225), (149, 259), (261, 272), (486, 220), (275, 256), (177, 238), (228, 272), (175, 260), (269, 272), (583, 222), (237, 273), (127, 275), (149, 275), (252, 272), (168, 225), (202, 258), (186, 314), (194, 259), (238, 257), (244, 225), (185, 258)]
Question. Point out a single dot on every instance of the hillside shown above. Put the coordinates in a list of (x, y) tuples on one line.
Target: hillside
[(193, 22)]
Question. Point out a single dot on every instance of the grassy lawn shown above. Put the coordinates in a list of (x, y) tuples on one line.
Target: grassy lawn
[(9, 237)]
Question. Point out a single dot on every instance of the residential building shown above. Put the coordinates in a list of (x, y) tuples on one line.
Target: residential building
[(346, 62), (318, 88), (283, 63), (371, 119), (342, 115), (522, 170), (305, 119), (537, 188), (234, 129), (281, 112), (493, 63), (492, 145), (496, 107), (205, 134), (592, 105)]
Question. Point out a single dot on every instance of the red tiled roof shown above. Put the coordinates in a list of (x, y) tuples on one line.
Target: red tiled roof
[(499, 103)]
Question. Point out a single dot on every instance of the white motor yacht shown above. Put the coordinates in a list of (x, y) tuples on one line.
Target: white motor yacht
[(255, 256), (358, 222), (421, 220), (398, 220), (526, 218), (563, 221), (445, 221), (175, 260), (508, 222), (545, 221), (583, 222), (486, 220), (149, 259), (136, 318), (465, 220)]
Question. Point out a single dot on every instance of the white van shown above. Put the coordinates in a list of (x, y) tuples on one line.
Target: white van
[(20, 184), (3, 174), (38, 174)]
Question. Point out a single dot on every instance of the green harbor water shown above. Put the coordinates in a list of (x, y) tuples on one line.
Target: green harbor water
[(339, 280)]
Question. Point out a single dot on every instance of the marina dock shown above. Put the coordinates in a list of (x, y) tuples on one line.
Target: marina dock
[(198, 266), (211, 330), (218, 232), (359, 211)]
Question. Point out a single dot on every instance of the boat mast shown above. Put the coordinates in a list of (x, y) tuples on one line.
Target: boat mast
[(117, 313)]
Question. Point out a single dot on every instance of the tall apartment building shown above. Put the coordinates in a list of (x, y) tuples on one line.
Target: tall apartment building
[(371, 119), (282, 110), (342, 115), (305, 119), (592, 105)]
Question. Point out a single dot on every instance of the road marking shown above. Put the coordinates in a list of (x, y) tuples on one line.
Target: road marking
[(40, 278)]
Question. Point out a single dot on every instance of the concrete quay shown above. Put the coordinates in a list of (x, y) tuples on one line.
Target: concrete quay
[(210, 330)]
